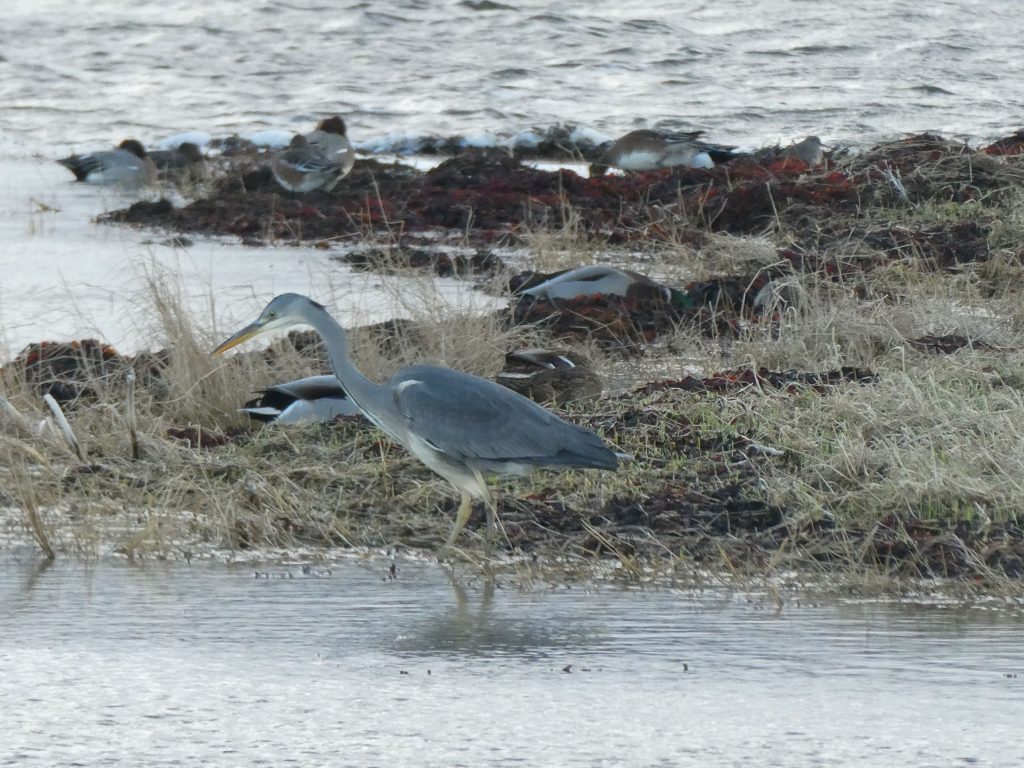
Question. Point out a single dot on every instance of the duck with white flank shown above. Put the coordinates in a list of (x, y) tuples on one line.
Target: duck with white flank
[(603, 280), (650, 150), (312, 400), (127, 165)]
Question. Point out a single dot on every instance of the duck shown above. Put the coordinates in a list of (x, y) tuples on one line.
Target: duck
[(310, 400), (648, 150), (302, 168), (330, 139), (550, 376), (126, 165), (184, 161), (601, 279), (809, 150)]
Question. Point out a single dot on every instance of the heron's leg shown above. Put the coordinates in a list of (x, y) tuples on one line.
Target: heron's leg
[(465, 510), (492, 513)]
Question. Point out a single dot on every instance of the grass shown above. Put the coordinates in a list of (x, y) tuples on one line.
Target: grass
[(919, 473)]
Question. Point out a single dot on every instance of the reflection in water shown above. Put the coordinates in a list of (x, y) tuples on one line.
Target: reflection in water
[(474, 625), (205, 664)]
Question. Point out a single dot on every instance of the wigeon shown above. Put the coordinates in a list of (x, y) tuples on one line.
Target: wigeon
[(329, 139), (649, 150), (127, 165), (301, 168)]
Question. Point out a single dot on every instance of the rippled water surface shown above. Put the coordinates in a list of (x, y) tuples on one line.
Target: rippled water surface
[(750, 70), (208, 665)]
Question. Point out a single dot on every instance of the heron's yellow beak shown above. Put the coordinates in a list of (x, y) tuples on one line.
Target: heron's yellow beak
[(250, 331)]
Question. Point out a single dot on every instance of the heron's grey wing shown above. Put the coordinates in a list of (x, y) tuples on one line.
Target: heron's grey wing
[(469, 418)]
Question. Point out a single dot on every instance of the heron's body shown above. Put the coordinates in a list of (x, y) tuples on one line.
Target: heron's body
[(461, 426)]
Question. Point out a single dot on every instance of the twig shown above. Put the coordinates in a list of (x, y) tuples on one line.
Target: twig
[(12, 413), (38, 529), (65, 427), (130, 413)]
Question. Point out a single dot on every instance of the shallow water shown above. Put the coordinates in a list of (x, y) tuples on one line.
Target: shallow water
[(206, 664), (66, 277)]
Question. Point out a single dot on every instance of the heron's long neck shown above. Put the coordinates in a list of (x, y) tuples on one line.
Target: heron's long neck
[(363, 392)]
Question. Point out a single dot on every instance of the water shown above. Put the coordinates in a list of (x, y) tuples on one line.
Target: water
[(748, 71), (66, 277), (168, 665), (76, 77)]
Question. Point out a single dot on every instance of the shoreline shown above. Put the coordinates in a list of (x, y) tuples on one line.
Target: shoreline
[(858, 425)]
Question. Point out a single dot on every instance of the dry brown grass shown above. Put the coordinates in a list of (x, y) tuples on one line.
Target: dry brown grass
[(939, 438)]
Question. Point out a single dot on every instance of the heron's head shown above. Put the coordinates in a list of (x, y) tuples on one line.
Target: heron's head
[(283, 311)]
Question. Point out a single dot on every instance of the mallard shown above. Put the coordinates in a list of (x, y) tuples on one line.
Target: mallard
[(311, 400), (549, 376)]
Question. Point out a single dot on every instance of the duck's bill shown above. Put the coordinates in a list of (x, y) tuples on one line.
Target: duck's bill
[(250, 331)]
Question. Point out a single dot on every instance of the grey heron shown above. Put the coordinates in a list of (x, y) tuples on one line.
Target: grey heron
[(461, 426)]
